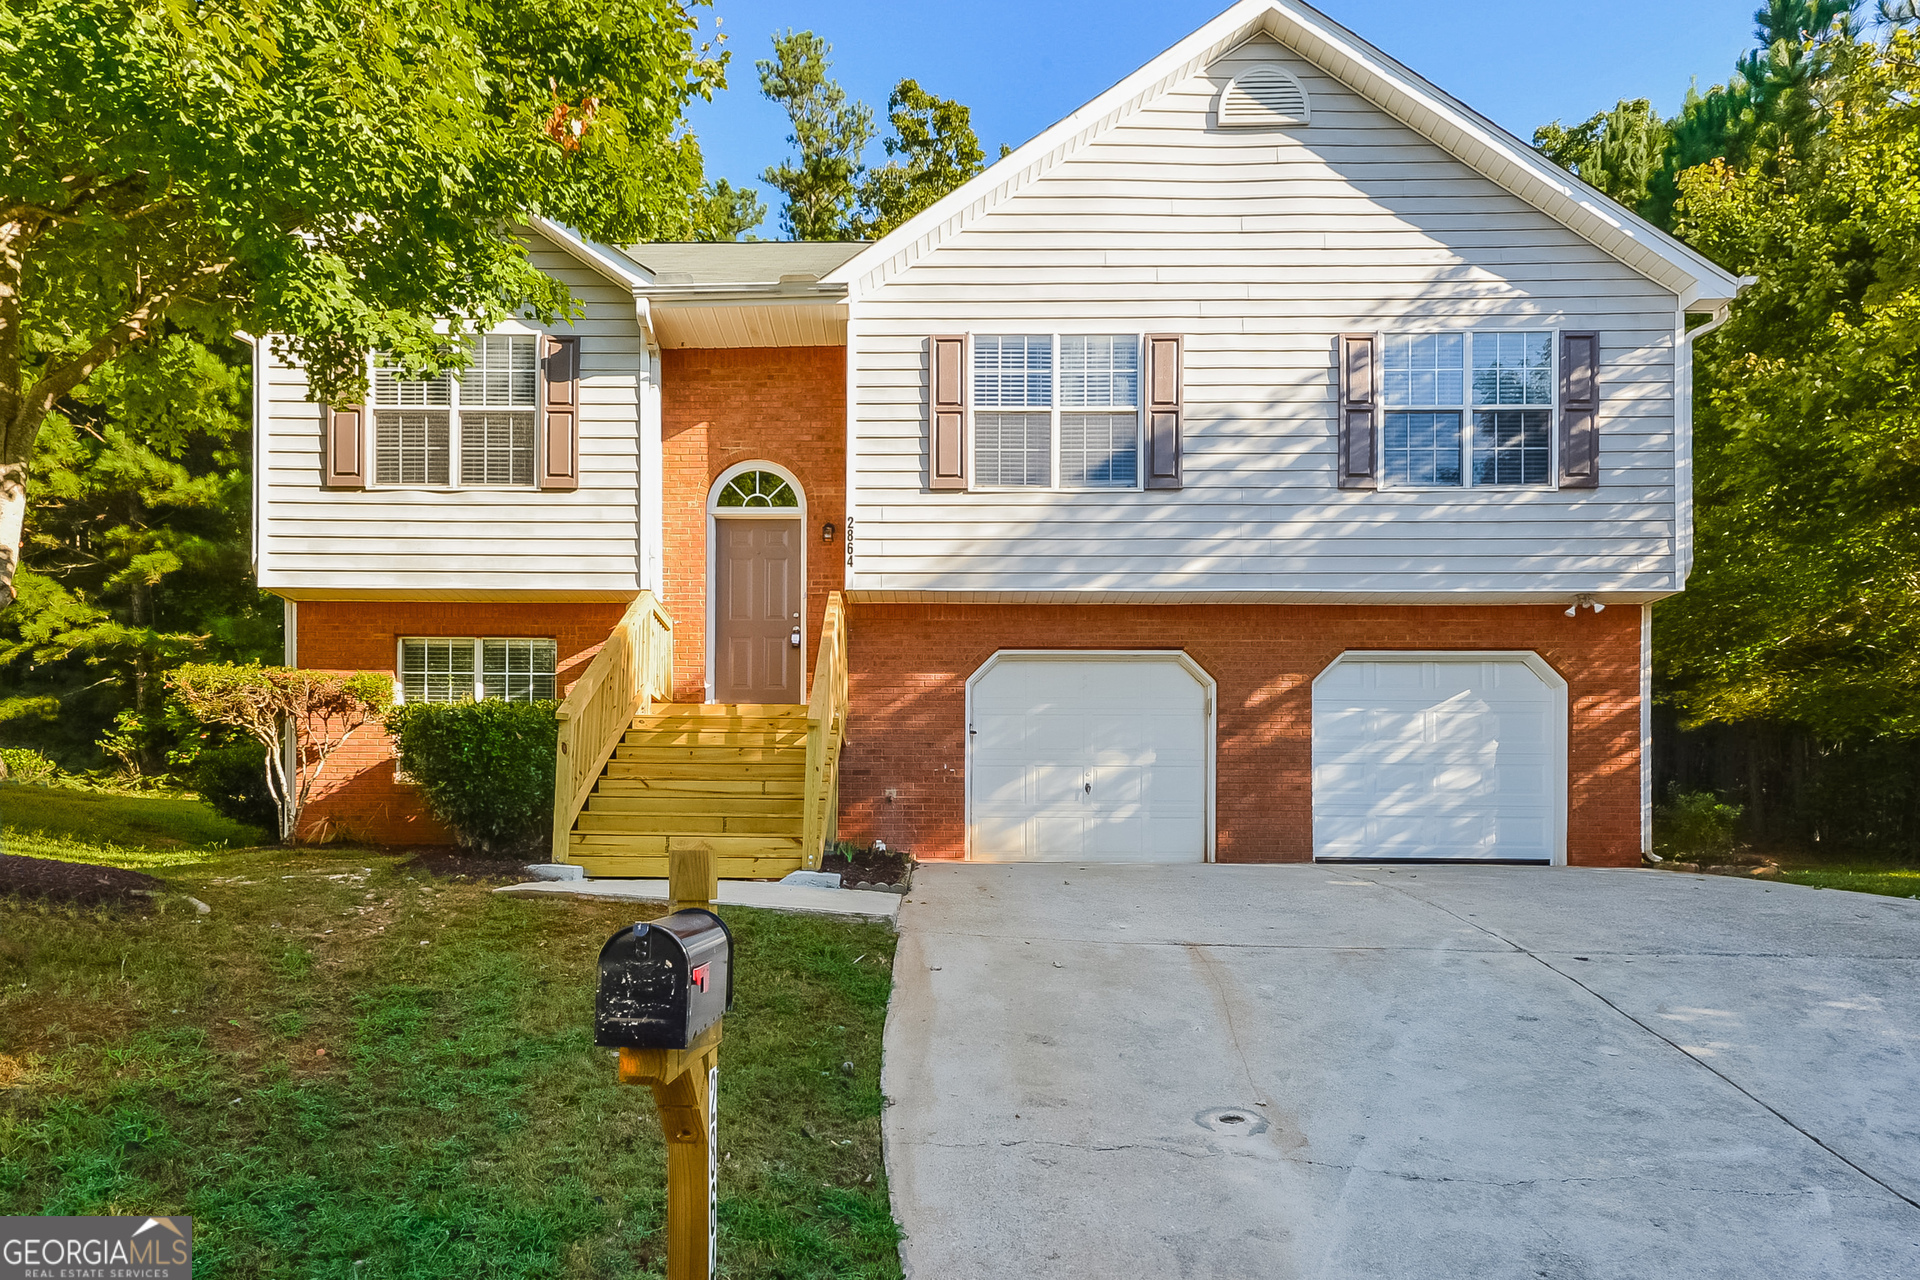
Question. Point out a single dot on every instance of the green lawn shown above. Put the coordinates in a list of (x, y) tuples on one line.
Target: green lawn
[(1896, 882), (350, 1069), (144, 831)]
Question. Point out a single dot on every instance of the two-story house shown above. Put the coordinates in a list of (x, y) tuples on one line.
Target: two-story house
[(1273, 460)]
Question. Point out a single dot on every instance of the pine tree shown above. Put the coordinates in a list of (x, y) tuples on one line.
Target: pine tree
[(822, 184), (136, 554)]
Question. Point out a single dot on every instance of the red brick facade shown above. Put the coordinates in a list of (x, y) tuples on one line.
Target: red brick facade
[(785, 405), (357, 796), (910, 665)]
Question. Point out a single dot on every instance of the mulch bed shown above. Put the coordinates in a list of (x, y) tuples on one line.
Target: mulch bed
[(452, 864), (890, 867), (80, 882)]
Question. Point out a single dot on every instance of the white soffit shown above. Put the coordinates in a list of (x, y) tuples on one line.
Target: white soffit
[(749, 323), (1456, 128)]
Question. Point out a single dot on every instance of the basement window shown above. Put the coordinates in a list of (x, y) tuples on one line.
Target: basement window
[(469, 668)]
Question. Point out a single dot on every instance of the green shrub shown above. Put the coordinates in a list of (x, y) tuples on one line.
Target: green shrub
[(1695, 824), (24, 764), (485, 769), (232, 779)]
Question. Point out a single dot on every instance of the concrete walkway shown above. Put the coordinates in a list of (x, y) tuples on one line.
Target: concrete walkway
[(768, 895), (1429, 1072)]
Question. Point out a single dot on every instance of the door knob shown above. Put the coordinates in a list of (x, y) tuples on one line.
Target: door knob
[(794, 639)]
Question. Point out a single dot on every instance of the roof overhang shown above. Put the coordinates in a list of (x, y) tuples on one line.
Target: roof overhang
[(728, 316), (1450, 124)]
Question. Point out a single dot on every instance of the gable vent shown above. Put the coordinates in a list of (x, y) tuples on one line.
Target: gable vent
[(1262, 97)]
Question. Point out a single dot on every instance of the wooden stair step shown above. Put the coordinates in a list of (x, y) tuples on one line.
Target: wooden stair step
[(722, 845), (726, 710), (653, 737), (700, 784), (685, 824), (711, 755), (704, 770), (721, 806), (612, 865)]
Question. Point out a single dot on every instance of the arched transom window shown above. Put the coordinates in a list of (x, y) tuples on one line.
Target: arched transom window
[(757, 489)]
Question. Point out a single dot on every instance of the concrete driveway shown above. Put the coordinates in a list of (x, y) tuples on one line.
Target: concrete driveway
[(1427, 1072)]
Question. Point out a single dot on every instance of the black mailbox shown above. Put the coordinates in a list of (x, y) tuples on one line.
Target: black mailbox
[(664, 982)]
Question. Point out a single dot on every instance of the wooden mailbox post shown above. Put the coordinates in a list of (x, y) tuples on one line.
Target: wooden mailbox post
[(684, 1083)]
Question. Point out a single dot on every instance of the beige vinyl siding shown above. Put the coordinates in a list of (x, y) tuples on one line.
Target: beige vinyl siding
[(471, 543), (1260, 247)]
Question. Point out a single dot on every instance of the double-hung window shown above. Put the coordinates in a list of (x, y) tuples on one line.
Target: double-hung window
[(1056, 411), (485, 419), (1468, 409), (467, 668)]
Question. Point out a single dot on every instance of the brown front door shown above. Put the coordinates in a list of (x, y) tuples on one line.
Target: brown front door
[(757, 611)]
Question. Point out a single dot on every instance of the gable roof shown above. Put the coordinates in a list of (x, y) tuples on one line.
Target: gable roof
[(1443, 119)]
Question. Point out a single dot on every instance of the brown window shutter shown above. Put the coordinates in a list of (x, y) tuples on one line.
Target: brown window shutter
[(1579, 410), (343, 446), (1359, 355), (947, 412), (560, 442), (1165, 392)]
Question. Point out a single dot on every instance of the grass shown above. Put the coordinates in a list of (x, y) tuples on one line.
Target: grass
[(349, 1069), (54, 822), (1894, 882)]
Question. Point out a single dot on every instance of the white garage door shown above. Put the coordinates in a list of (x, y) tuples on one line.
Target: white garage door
[(1082, 759), (1455, 758)]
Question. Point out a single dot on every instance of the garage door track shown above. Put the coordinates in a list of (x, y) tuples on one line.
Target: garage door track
[(1313, 1071)]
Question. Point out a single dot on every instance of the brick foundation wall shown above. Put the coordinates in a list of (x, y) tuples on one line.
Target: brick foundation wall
[(910, 664), (357, 796), (785, 405)]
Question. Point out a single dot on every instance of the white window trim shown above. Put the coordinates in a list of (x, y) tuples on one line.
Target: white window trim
[(1056, 411), (1466, 409), (456, 481), (400, 673)]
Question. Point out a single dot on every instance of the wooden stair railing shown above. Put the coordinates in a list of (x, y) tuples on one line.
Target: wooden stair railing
[(826, 730), (632, 669)]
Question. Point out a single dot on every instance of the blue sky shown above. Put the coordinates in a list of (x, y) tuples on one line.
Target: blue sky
[(1023, 64)]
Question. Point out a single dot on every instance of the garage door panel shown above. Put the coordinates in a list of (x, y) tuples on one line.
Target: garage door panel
[(999, 836), (1173, 788), (1110, 755), (1436, 759)]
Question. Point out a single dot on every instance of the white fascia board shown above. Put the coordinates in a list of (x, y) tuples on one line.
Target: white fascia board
[(610, 263), (1476, 141)]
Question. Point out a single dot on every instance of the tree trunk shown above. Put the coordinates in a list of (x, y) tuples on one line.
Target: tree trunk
[(13, 518)]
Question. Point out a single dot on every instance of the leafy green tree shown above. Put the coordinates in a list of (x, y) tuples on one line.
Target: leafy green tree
[(347, 172), (318, 710), (726, 212), (821, 184), (136, 553), (1805, 603), (934, 150)]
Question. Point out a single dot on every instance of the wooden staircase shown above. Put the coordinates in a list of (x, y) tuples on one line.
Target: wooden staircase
[(636, 779), (727, 777)]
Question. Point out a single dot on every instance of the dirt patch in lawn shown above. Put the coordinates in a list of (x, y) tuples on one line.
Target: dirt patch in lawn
[(78, 882), (455, 864)]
